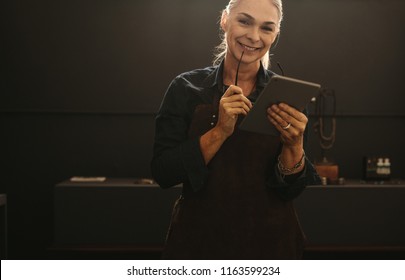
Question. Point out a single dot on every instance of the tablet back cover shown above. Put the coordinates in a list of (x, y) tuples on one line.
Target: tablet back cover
[(296, 93)]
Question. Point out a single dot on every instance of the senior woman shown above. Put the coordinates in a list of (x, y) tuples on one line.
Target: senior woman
[(238, 186)]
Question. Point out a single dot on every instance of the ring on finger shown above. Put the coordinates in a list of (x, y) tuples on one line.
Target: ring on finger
[(286, 127)]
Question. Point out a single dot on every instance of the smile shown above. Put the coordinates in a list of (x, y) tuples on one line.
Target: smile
[(251, 49)]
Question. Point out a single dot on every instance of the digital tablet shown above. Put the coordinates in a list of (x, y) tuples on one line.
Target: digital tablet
[(280, 89)]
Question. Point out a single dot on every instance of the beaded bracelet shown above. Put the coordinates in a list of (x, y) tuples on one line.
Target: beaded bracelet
[(288, 171)]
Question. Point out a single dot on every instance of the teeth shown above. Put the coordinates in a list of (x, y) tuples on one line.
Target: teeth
[(248, 48)]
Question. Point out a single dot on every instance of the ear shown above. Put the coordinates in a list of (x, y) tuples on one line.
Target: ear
[(224, 19)]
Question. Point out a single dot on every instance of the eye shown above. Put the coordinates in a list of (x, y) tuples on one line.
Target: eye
[(244, 22), (267, 28)]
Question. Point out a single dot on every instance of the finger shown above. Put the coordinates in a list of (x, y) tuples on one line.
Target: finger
[(292, 112), (274, 113), (294, 122), (243, 98), (247, 101), (238, 98), (287, 129), (239, 104), (287, 118), (236, 105), (289, 133), (277, 125), (232, 90), (236, 111)]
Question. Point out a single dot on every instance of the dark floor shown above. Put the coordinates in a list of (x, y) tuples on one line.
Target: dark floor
[(155, 254)]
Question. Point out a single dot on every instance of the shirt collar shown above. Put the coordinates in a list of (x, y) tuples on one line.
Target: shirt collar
[(263, 76), (215, 78)]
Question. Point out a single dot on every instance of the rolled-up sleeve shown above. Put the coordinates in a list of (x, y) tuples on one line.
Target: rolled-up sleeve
[(176, 157), (289, 188)]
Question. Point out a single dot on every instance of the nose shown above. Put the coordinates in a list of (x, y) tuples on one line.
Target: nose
[(253, 34)]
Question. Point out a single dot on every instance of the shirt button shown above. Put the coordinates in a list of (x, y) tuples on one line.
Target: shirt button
[(212, 124), (214, 116)]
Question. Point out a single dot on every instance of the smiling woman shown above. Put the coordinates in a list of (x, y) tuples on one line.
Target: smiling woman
[(237, 185), (246, 19)]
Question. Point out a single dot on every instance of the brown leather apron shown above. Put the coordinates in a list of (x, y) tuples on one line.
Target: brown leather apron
[(235, 216)]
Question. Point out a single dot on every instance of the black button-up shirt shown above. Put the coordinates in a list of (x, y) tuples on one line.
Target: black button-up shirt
[(178, 159)]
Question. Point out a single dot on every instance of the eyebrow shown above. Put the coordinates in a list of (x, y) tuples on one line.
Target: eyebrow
[(252, 18)]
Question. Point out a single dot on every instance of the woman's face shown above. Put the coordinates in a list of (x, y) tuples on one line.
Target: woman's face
[(251, 26)]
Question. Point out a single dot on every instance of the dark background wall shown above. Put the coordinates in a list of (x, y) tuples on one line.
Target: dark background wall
[(82, 80)]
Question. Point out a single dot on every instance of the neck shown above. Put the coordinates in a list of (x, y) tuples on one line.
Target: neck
[(247, 71)]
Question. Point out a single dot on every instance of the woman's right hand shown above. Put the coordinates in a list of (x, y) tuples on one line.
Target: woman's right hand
[(232, 103)]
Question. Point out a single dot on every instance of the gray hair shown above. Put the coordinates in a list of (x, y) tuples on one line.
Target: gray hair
[(221, 49)]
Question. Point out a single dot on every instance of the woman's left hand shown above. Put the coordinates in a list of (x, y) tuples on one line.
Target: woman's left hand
[(290, 122)]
